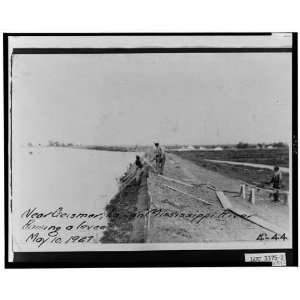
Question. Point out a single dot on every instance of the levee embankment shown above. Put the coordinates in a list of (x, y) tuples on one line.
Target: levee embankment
[(160, 210), (125, 212), (185, 219)]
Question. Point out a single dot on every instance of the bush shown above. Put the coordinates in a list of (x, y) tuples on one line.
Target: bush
[(242, 145)]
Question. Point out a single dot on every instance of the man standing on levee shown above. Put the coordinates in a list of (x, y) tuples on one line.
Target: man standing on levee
[(160, 158), (276, 182)]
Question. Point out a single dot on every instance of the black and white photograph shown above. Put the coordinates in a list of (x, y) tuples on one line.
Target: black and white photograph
[(130, 143)]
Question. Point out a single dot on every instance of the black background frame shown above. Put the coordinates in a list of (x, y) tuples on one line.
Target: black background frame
[(156, 258)]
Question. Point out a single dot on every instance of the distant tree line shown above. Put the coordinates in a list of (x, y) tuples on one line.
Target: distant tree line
[(242, 145)]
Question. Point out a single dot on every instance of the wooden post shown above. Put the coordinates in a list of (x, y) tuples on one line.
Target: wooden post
[(252, 196), (243, 191)]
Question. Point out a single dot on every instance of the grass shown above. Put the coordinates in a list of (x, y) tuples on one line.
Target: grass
[(256, 176), (271, 157)]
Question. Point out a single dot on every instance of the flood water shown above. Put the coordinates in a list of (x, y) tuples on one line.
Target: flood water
[(79, 181)]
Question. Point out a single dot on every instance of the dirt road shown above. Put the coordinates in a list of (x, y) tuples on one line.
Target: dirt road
[(180, 218)]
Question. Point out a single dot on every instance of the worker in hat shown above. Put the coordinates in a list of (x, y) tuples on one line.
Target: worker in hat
[(276, 182), (159, 157)]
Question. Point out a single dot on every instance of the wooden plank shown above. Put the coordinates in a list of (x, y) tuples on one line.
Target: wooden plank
[(224, 200), (269, 190), (230, 192), (240, 213), (266, 224), (187, 194), (256, 220), (211, 187)]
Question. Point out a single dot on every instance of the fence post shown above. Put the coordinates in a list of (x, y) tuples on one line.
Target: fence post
[(243, 191), (252, 196)]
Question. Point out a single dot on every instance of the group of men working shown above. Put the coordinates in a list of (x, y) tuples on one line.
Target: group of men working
[(159, 158)]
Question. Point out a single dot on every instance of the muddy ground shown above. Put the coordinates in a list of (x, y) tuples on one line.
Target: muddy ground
[(256, 176), (215, 226), (168, 216), (124, 223)]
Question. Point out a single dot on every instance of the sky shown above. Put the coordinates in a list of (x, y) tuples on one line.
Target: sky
[(196, 98)]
